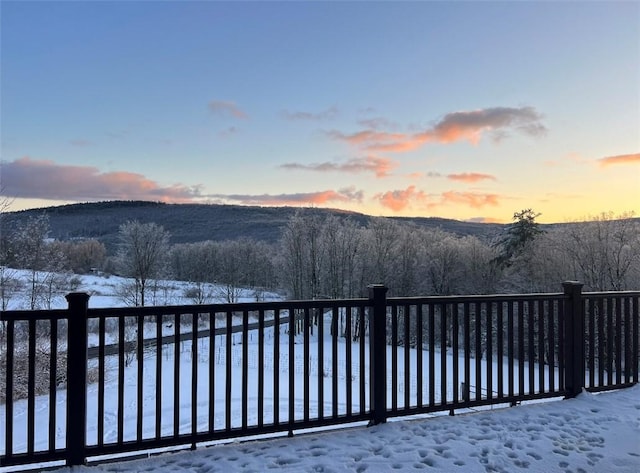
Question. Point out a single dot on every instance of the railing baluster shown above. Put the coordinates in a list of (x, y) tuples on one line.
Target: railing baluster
[(531, 347), (140, 381), (292, 367), (245, 368), (500, 347), (394, 358), (419, 354), (349, 361), (541, 339), (407, 357), (489, 349), (320, 376), (121, 359), (478, 351), (212, 371), (628, 348), (618, 340), (443, 353), (261, 368), (467, 352), (610, 340), (176, 373), (53, 381), (8, 449), (306, 368), (335, 327), (276, 367), (601, 342), (362, 363), (510, 348), (101, 378), (552, 344), (228, 371), (455, 311), (31, 388), (158, 393), (592, 341), (635, 311), (194, 375), (521, 390)]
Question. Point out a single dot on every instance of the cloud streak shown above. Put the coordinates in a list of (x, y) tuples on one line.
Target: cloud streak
[(304, 198), (469, 126), (633, 158), (471, 177), (381, 167), (43, 179), (328, 114), (225, 108)]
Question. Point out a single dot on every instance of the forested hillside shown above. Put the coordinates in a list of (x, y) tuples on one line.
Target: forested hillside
[(190, 223)]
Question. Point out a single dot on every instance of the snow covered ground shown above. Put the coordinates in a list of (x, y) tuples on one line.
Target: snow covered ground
[(106, 291), (592, 433)]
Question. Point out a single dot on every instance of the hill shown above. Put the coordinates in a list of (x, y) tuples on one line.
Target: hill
[(189, 223)]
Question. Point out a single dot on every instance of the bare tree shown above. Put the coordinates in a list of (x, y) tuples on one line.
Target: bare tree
[(142, 254), (43, 260), (301, 256), (605, 251)]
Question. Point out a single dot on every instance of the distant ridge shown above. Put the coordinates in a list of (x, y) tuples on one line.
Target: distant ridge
[(189, 223)]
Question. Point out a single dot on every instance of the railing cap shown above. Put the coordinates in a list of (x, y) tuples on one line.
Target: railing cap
[(77, 297)]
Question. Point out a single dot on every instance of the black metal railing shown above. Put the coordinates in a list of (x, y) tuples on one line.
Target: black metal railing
[(82, 383)]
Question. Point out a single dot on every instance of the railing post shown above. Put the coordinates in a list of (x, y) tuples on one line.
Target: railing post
[(573, 339), (378, 353), (77, 377)]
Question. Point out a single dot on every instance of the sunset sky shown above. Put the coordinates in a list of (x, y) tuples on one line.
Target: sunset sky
[(471, 111)]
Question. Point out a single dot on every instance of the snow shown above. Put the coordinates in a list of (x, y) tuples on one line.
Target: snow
[(591, 433)]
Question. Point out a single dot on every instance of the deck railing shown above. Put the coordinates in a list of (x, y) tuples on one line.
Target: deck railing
[(81, 383)]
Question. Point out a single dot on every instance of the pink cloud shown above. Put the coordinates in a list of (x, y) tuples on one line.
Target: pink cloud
[(453, 127), (470, 177), (378, 165), (43, 179), (620, 159), (399, 200), (304, 198)]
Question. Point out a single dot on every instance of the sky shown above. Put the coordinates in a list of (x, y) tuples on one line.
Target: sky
[(463, 110)]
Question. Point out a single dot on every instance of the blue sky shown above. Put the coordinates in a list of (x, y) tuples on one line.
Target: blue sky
[(465, 110)]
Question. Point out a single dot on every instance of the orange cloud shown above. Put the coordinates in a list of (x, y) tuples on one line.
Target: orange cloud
[(304, 198), (378, 165), (456, 126), (399, 200), (470, 177), (472, 199), (620, 159), (222, 107), (43, 179)]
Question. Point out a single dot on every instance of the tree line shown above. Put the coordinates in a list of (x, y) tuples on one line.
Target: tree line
[(326, 257)]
